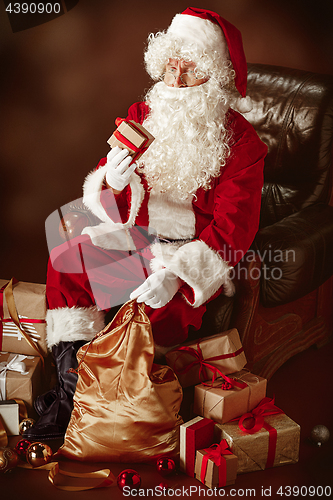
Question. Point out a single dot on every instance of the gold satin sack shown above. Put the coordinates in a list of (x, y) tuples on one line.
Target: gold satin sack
[(125, 406)]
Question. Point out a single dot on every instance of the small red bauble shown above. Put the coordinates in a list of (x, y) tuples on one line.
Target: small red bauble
[(163, 486), (130, 478), (21, 449), (165, 466)]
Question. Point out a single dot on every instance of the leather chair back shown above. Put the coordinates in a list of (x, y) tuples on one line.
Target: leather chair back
[(293, 114)]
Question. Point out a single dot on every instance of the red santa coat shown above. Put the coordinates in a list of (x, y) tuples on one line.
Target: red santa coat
[(212, 231), (215, 228)]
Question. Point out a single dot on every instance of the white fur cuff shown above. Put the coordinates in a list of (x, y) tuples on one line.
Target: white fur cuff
[(92, 189), (201, 267), (106, 236), (69, 324)]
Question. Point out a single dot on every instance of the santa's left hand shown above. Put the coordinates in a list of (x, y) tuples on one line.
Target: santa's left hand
[(158, 289)]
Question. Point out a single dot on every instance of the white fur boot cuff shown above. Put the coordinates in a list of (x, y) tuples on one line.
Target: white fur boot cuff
[(69, 324)]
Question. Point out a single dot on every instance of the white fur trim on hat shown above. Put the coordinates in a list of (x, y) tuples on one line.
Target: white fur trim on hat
[(200, 32), (69, 324), (244, 104)]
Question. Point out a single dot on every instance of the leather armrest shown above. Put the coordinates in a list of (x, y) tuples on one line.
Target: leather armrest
[(296, 254)]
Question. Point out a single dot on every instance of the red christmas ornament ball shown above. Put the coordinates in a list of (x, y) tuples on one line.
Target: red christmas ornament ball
[(8, 459), (21, 449), (165, 466), (163, 486), (129, 477)]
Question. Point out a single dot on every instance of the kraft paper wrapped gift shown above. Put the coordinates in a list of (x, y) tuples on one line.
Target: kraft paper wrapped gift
[(30, 308), (196, 362), (216, 466), (273, 441), (196, 434), (132, 136), (211, 401), (9, 416), (20, 377)]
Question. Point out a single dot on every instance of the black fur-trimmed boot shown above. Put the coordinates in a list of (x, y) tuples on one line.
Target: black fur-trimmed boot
[(67, 330), (56, 405)]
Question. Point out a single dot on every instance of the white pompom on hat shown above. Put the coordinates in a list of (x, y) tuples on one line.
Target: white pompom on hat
[(198, 26)]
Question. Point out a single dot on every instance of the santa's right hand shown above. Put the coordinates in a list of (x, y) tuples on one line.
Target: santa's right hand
[(118, 171)]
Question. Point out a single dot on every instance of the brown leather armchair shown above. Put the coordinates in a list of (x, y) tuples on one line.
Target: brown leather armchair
[(284, 284)]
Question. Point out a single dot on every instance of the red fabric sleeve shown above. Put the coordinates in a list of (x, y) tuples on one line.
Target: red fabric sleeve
[(237, 195)]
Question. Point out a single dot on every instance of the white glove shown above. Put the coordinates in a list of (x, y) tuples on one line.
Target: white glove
[(118, 172), (158, 289)]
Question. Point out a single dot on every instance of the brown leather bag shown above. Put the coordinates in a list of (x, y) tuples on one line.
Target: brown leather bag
[(125, 406)]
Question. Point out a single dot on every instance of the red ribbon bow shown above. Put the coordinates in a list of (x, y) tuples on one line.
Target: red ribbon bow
[(216, 453), (264, 408), (204, 365)]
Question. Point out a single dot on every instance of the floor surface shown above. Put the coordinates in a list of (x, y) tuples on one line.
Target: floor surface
[(302, 388)]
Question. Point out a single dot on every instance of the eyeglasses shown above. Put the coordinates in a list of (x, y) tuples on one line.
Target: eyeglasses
[(189, 79)]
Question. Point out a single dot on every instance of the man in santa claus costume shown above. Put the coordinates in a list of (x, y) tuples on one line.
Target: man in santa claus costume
[(198, 188)]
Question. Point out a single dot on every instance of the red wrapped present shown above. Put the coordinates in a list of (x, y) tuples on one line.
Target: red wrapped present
[(208, 358), (196, 434), (262, 438), (216, 466), (132, 136)]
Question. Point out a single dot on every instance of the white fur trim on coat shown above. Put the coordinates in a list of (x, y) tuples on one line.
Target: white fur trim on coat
[(92, 188), (110, 235), (171, 217), (69, 324), (106, 236), (198, 265)]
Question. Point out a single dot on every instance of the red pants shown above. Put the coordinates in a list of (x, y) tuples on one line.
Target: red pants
[(83, 275)]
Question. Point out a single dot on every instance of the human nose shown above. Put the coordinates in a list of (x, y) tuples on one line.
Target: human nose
[(178, 82)]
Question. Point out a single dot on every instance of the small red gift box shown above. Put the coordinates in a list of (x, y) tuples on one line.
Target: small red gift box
[(216, 466), (132, 136), (196, 434)]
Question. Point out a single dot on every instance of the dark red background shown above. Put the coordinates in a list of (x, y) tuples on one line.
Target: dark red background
[(64, 82)]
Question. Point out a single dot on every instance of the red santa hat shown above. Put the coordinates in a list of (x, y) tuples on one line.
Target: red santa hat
[(198, 27)]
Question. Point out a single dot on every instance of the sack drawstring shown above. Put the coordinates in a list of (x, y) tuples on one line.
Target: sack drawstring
[(76, 370)]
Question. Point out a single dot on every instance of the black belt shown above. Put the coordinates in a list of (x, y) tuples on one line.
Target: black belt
[(170, 240)]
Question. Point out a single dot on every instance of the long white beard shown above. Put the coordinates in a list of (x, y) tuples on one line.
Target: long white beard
[(191, 143)]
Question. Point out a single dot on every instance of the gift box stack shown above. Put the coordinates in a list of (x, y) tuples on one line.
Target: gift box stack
[(238, 429), (22, 344)]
